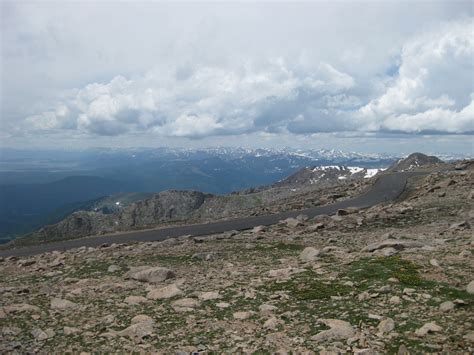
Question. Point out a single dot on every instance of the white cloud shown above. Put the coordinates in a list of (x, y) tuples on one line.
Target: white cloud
[(208, 101), (434, 88), (184, 70)]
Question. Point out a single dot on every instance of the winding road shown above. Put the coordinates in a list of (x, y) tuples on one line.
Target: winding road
[(387, 187)]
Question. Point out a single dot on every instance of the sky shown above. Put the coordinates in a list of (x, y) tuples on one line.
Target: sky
[(373, 76)]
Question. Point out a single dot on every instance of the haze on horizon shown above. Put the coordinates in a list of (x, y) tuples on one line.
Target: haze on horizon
[(367, 76)]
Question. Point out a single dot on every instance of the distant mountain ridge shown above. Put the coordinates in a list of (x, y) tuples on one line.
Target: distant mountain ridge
[(27, 205), (332, 173), (176, 205)]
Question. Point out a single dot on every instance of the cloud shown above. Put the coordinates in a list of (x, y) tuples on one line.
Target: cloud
[(217, 70), (434, 88), (201, 102)]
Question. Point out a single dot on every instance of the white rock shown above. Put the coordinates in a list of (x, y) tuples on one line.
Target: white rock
[(113, 268), (395, 300), (465, 253), (292, 222), (242, 315), (309, 254), (207, 296), (434, 262), (142, 318), (389, 251), (71, 330), (272, 323), (470, 288), (339, 330), (267, 308), (386, 326), (258, 229), (446, 306), (135, 300), (137, 330), (284, 273), (62, 305), (223, 305), (166, 292), (185, 304), (20, 307), (469, 337), (430, 327)]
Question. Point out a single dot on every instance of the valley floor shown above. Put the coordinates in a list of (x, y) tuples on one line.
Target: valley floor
[(395, 278)]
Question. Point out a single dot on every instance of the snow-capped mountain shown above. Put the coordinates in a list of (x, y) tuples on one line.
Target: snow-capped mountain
[(331, 174)]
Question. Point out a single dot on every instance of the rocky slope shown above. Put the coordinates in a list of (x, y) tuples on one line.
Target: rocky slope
[(395, 278)]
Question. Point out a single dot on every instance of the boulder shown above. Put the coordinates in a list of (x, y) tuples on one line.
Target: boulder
[(339, 330), (166, 292), (185, 304), (151, 274), (386, 326), (470, 288), (59, 304), (309, 254), (430, 327)]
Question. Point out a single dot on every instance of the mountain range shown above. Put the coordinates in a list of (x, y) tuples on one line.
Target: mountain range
[(38, 188)]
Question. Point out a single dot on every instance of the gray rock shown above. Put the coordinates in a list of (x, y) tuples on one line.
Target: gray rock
[(151, 274), (398, 244), (138, 331), (39, 334)]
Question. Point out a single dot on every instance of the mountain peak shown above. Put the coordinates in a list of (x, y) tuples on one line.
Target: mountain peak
[(415, 160)]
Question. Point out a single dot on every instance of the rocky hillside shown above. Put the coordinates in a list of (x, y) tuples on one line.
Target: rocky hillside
[(163, 207), (394, 278)]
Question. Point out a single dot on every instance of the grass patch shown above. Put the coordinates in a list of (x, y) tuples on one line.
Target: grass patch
[(307, 286), (384, 268)]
